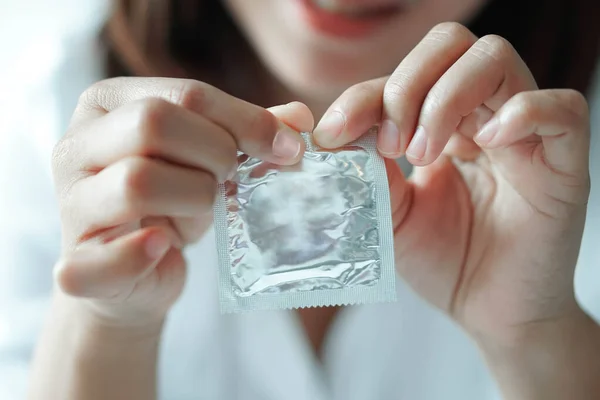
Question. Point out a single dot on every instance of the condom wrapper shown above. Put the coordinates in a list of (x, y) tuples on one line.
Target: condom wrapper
[(318, 233)]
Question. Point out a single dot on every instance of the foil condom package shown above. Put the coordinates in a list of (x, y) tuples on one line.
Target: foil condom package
[(317, 233)]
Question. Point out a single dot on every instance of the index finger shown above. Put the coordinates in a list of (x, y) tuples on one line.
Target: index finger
[(394, 102), (256, 131)]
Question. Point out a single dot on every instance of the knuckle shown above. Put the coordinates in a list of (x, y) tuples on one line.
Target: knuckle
[(137, 180), (98, 93), (522, 99), (450, 30), (523, 108), (60, 153), (191, 94), (359, 90), (577, 109), (64, 164), (577, 103), (396, 88), (66, 279), (151, 116), (436, 100), (495, 47), (90, 95)]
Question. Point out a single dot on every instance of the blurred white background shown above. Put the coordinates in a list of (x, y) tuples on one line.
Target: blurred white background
[(49, 53)]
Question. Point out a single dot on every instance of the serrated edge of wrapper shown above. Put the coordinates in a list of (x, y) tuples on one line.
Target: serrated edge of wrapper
[(382, 291)]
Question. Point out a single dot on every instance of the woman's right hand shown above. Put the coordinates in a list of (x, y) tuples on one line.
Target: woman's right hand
[(136, 176)]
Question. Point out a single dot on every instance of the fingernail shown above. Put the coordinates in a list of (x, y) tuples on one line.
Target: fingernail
[(286, 144), (418, 144), (329, 128), (487, 132), (389, 138), (157, 245)]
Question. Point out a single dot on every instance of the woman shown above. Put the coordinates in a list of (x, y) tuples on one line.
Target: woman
[(488, 228)]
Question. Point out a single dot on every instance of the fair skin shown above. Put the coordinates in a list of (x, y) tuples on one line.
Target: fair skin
[(487, 228)]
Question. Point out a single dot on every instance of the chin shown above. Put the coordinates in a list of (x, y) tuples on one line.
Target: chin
[(320, 76), (312, 85)]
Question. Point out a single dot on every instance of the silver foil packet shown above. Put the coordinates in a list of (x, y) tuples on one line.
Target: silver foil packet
[(317, 233)]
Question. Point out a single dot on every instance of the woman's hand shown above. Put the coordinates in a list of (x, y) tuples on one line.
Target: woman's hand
[(137, 175), (488, 228)]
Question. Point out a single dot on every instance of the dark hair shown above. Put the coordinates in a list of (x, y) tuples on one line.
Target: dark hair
[(558, 39)]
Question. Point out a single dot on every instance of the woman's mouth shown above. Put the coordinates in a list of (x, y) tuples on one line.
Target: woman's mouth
[(348, 18)]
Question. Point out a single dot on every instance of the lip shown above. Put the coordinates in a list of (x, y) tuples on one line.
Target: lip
[(344, 26)]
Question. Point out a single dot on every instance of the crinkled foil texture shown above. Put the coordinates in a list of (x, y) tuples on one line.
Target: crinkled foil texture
[(311, 227), (307, 227)]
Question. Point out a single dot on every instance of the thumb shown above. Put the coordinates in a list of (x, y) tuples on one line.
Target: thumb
[(296, 115)]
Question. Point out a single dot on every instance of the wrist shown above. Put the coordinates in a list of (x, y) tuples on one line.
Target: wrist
[(94, 324), (550, 359), (100, 345), (104, 315), (567, 330), (83, 356)]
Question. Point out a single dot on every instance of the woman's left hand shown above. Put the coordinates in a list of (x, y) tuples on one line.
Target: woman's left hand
[(488, 227)]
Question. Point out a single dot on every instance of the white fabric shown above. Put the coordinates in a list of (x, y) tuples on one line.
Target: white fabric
[(404, 350)]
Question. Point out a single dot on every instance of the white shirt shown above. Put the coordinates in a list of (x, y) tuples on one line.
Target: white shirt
[(403, 350)]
